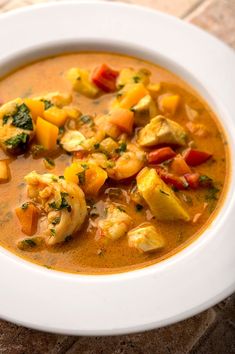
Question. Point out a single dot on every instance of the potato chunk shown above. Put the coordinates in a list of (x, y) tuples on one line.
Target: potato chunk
[(145, 238), (116, 224), (161, 130), (161, 199)]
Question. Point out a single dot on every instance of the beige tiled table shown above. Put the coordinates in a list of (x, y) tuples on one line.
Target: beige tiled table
[(213, 331)]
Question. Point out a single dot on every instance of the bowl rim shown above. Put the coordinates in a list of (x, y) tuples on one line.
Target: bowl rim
[(138, 275)]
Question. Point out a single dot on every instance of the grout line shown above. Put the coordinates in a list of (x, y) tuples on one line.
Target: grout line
[(193, 8), (198, 9)]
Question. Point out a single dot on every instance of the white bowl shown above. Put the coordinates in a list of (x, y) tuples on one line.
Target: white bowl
[(190, 281)]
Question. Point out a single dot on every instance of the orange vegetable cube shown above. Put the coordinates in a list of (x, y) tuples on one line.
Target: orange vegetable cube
[(36, 107), (179, 166), (28, 216), (56, 116), (133, 95), (46, 133), (123, 118), (89, 176), (95, 177), (71, 172), (170, 103)]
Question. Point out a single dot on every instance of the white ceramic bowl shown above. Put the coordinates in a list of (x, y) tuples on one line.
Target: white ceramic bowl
[(188, 282)]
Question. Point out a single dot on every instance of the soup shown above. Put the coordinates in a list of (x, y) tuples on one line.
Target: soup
[(108, 163)]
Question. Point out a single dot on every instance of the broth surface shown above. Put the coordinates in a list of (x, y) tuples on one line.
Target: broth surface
[(86, 252)]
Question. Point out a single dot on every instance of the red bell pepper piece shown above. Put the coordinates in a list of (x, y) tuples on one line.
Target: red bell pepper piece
[(161, 155), (105, 78), (169, 178), (192, 179), (196, 157)]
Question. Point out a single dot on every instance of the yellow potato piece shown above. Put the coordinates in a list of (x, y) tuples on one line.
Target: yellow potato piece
[(160, 198), (4, 171)]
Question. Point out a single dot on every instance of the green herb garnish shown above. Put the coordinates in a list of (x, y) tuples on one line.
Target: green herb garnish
[(212, 194), (25, 206), (122, 148), (53, 232), (22, 118), (86, 119), (47, 104), (56, 221), (16, 141), (29, 242)]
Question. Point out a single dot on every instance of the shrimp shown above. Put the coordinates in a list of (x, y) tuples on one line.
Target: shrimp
[(63, 202), (116, 224), (128, 164)]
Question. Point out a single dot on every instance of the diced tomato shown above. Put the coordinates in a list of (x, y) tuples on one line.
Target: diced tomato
[(192, 179), (161, 155), (105, 78), (169, 178), (196, 157)]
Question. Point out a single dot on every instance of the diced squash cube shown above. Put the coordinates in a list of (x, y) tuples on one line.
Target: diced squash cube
[(132, 96), (161, 199), (80, 80), (170, 104), (4, 171), (145, 238), (56, 116), (36, 107), (179, 166), (154, 89), (89, 176), (122, 118), (162, 130), (71, 172), (46, 133), (28, 216), (95, 178)]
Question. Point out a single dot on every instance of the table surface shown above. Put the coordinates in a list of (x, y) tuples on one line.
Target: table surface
[(211, 332)]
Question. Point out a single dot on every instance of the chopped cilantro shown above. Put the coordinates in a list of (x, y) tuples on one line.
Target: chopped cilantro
[(29, 242), (47, 104), (61, 177), (136, 79), (37, 150), (205, 181), (121, 209), (63, 203), (96, 146), (25, 206), (53, 232), (16, 141), (49, 161), (212, 194), (22, 118), (86, 119), (5, 119), (122, 148), (82, 177), (56, 221)]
